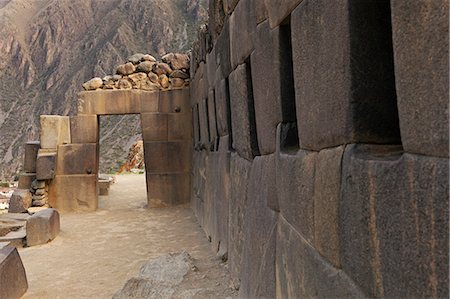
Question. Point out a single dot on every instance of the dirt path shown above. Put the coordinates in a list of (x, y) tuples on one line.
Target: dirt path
[(96, 253)]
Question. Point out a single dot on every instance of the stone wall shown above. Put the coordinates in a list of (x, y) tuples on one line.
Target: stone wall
[(321, 159)]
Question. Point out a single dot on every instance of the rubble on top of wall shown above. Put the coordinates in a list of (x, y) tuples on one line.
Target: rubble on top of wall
[(143, 71)]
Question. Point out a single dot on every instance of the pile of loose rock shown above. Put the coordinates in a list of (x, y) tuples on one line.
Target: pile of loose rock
[(143, 71), (39, 193)]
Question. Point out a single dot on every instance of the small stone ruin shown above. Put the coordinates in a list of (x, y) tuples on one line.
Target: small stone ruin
[(143, 71)]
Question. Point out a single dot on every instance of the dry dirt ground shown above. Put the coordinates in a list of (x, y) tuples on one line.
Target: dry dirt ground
[(96, 253)]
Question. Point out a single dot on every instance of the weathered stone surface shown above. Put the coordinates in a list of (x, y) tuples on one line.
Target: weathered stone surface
[(242, 30), (42, 227), (55, 130), (242, 113), (222, 49), (45, 165), (72, 193), (177, 83), (239, 176), (179, 74), (196, 127), (394, 222), (164, 81), (420, 38), (266, 89), (84, 129), (327, 186), (164, 190), (174, 101), (77, 159), (295, 189), (154, 126), (213, 134), (279, 10), (126, 69), (20, 201), (145, 66), (31, 151), (150, 102), (179, 126), (178, 61), (136, 58), (13, 278), (344, 76), (93, 84), (204, 122), (103, 187), (260, 230), (149, 57), (222, 97), (302, 273), (167, 156), (261, 13), (104, 102), (25, 180), (124, 83), (162, 68)]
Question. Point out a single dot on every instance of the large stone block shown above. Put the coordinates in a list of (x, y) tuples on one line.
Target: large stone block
[(261, 13), (302, 273), (196, 126), (204, 122), (239, 176), (25, 180), (279, 10), (175, 101), (13, 279), (42, 227), (84, 129), (179, 126), (260, 230), (46, 165), (77, 159), (222, 49), (295, 190), (55, 130), (243, 113), (222, 97), (165, 190), (394, 222), (154, 126), (105, 102), (327, 186), (344, 75), (212, 119), (31, 151), (167, 156), (73, 193), (266, 89), (242, 31), (150, 102), (20, 201), (420, 39)]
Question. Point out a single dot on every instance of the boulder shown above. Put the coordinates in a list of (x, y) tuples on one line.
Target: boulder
[(42, 227), (124, 84), (161, 69), (164, 81), (177, 82), (13, 279), (148, 57), (135, 58), (20, 201), (93, 84), (126, 69), (153, 77), (179, 74), (180, 61), (145, 66)]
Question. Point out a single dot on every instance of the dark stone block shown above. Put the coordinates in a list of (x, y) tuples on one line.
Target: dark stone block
[(196, 126), (239, 175), (31, 151), (279, 10), (222, 97), (303, 273), (179, 126), (266, 89), (344, 76), (327, 186), (42, 227), (213, 134), (167, 156), (222, 49), (84, 129), (420, 38), (154, 126), (394, 222), (204, 122), (260, 227), (174, 101), (211, 69), (25, 180), (165, 190), (216, 18), (261, 13), (20, 201), (295, 189), (13, 279), (45, 165), (242, 30), (242, 113), (77, 159), (198, 185)]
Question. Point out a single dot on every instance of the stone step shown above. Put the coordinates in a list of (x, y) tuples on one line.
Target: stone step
[(16, 238)]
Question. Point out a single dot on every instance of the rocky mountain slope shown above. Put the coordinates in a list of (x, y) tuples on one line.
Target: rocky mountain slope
[(48, 48)]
